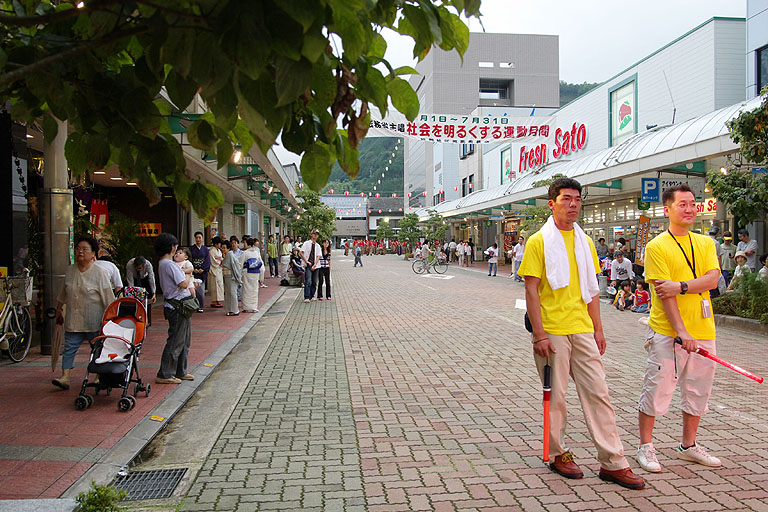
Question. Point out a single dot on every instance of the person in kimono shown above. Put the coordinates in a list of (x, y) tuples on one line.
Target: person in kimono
[(252, 268), (216, 275), (231, 269)]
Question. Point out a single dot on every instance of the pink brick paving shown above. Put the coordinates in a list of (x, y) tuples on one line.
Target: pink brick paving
[(36, 415)]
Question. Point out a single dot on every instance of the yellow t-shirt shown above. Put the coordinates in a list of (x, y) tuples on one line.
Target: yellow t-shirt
[(563, 311), (664, 260)]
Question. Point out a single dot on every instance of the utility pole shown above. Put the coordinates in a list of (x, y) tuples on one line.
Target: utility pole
[(58, 235)]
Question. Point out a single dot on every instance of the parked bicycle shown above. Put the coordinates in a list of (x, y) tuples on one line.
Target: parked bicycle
[(15, 320), (438, 264)]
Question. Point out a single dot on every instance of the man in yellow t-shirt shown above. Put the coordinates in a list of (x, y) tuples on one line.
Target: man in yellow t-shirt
[(682, 267), (568, 333)]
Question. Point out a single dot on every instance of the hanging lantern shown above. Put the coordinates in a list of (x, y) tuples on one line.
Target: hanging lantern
[(301, 185), (378, 195), (390, 210), (456, 189), (362, 194), (394, 195), (440, 191), (400, 210), (331, 191), (470, 186), (369, 211), (338, 210), (409, 194), (346, 192), (425, 193), (379, 211)]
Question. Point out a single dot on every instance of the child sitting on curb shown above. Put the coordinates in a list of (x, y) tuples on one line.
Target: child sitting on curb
[(642, 299)]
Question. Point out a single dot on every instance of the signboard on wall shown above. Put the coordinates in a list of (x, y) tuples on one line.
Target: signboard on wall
[(150, 228), (238, 209), (623, 115)]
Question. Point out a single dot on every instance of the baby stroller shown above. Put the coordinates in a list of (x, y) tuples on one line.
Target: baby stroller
[(115, 354)]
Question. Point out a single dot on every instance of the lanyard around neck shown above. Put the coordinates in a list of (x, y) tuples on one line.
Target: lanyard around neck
[(693, 254)]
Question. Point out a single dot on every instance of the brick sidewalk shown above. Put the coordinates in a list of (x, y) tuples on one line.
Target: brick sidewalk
[(46, 445), (447, 409)]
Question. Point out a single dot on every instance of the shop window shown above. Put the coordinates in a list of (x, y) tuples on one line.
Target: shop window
[(494, 89), (463, 187), (762, 68)]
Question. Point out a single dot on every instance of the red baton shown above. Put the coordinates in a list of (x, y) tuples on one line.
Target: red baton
[(723, 362), (547, 391)]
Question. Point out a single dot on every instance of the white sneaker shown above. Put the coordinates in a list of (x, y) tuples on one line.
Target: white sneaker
[(646, 457), (697, 454)]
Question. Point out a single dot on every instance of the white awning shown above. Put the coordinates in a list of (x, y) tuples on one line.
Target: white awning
[(700, 138)]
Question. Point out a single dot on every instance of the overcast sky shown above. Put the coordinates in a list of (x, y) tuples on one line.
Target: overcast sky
[(598, 38)]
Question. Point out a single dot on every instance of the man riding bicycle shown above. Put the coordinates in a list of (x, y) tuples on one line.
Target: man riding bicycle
[(425, 252)]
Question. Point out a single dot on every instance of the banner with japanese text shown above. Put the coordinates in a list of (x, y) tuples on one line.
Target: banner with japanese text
[(464, 129), (643, 228)]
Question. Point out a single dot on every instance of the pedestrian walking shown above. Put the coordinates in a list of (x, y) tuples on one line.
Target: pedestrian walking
[(681, 267), (749, 247), (86, 292), (493, 258), (285, 258), (358, 255), (201, 260), (139, 272), (471, 245), (324, 271), (231, 270), (729, 251), (310, 254), (104, 261), (518, 251), (452, 247), (274, 270), (253, 267), (217, 277), (560, 268)]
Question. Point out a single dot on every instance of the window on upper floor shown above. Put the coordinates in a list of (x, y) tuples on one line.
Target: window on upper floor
[(762, 68)]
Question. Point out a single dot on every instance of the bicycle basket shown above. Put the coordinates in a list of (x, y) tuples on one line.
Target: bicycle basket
[(19, 288)]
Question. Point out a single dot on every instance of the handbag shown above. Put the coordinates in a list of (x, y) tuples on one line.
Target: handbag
[(186, 306)]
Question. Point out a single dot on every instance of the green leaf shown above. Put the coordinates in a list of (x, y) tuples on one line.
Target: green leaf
[(203, 198), (323, 83), (372, 85), (316, 165), (223, 152), (404, 98), (86, 153), (298, 136), (303, 11), (291, 79), (249, 113), (347, 155), (243, 136), (352, 32), (181, 90), (460, 35), (201, 136), (315, 44), (406, 70), (178, 50), (50, 128), (378, 47)]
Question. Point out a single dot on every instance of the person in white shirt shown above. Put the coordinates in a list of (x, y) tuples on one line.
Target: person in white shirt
[(467, 254), (749, 247), (621, 269), (452, 247), (460, 253), (763, 273), (517, 253), (493, 260), (310, 253), (105, 262)]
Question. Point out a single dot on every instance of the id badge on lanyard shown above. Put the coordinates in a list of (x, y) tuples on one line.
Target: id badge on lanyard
[(706, 308)]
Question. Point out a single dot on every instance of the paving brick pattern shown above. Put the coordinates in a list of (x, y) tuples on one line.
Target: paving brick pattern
[(290, 443), (447, 409)]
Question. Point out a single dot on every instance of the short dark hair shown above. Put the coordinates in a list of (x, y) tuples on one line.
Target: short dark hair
[(90, 241), (164, 244), (743, 231), (618, 253), (763, 257), (234, 238), (199, 233), (139, 261), (668, 195), (640, 282), (625, 283), (561, 183), (186, 251), (227, 244), (216, 240), (601, 239)]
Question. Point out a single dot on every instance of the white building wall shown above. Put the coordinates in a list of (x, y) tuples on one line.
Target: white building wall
[(730, 68), (757, 37)]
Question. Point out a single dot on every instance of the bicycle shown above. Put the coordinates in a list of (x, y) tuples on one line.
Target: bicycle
[(15, 320), (438, 264)]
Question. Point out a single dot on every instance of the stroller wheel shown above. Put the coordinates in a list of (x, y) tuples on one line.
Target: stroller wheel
[(81, 403), (89, 399), (132, 400), (124, 405), (146, 391)]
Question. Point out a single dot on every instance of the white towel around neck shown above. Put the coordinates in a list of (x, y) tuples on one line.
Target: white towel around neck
[(558, 266)]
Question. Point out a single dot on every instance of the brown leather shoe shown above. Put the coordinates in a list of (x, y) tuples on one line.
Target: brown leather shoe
[(624, 477), (564, 466)]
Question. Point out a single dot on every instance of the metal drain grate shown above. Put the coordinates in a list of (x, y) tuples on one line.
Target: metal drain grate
[(149, 485)]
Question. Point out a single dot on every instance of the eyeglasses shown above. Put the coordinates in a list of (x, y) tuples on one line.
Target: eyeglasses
[(82, 249)]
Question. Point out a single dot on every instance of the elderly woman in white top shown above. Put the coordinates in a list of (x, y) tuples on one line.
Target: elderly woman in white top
[(87, 292)]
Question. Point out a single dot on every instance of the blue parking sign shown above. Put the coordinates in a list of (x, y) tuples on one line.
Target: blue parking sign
[(649, 189)]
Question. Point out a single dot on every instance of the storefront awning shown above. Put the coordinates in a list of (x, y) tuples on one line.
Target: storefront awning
[(700, 138)]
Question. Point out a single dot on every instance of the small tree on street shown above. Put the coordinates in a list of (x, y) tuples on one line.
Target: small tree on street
[(436, 226), (316, 215), (745, 194), (409, 230), (384, 231)]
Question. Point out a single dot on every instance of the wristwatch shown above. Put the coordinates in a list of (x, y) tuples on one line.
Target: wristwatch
[(683, 288)]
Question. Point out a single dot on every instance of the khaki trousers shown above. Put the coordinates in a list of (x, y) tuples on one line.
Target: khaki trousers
[(577, 356)]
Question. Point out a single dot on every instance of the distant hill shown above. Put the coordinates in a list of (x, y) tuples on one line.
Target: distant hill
[(569, 92), (375, 153)]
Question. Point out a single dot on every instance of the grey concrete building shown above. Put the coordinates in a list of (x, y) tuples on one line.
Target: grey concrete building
[(757, 46), (498, 70)]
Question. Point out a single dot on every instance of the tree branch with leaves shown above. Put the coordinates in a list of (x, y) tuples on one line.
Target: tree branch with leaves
[(305, 72)]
